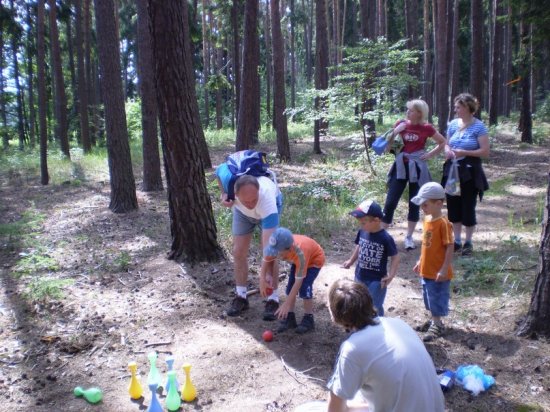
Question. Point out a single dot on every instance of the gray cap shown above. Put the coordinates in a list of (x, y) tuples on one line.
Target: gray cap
[(279, 240), (429, 191)]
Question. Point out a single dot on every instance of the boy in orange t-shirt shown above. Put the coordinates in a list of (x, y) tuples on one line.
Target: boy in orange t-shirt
[(307, 258), (434, 265)]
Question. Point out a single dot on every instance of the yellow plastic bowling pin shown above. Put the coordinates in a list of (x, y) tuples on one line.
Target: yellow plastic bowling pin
[(188, 390), (135, 389)]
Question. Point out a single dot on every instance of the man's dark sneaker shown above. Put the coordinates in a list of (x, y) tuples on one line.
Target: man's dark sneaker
[(458, 247), (467, 249), (288, 323), (238, 305), (270, 308), (306, 324)]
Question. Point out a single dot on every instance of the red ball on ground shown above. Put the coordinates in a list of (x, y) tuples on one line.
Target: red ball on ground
[(268, 291), (267, 336)]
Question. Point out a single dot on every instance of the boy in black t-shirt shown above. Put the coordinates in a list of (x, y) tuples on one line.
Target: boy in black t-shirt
[(374, 247)]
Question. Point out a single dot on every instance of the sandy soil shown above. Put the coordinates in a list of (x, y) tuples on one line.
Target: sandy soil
[(118, 311)]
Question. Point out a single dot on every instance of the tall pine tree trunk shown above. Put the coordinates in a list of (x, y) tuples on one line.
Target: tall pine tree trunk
[(123, 187), (411, 26), (31, 50), (192, 223), (42, 103), (428, 67), (525, 117), (292, 57), (537, 320), (205, 63), (152, 177), (320, 127), (5, 134), (268, 63), (249, 111), (235, 8), (441, 64), (62, 122), (494, 93), (279, 100), (453, 55), (81, 85), (476, 70), (18, 88)]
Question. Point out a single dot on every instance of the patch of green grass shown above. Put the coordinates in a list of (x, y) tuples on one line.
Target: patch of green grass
[(44, 288), (498, 187), (529, 408), (121, 262), (511, 268), (220, 138), (35, 262)]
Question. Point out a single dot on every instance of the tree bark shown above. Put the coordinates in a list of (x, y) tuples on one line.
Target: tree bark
[(31, 50), (494, 94), (537, 320), (41, 62), (321, 73), (279, 99), (81, 86), (192, 223), (62, 122), (476, 59), (152, 177), (249, 111), (123, 187)]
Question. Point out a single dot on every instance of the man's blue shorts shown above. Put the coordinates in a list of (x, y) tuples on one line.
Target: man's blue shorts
[(306, 290), (436, 296)]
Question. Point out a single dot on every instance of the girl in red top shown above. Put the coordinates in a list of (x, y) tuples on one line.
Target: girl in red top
[(410, 165)]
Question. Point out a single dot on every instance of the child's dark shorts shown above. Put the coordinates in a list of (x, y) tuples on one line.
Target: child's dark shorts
[(306, 290)]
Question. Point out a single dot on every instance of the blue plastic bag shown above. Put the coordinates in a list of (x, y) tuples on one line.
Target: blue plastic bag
[(379, 145), (472, 378)]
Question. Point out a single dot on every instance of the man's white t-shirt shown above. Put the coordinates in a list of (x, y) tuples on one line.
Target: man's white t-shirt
[(267, 200), (389, 367)]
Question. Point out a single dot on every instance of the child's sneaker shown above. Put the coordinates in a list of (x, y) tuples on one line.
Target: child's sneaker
[(238, 305), (306, 324), (458, 246), (270, 308), (409, 243), (288, 323), (435, 331), (467, 249), (424, 327)]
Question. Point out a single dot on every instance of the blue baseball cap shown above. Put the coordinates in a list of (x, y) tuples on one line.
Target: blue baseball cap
[(279, 240), (368, 208)]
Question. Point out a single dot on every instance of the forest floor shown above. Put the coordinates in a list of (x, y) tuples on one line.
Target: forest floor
[(122, 299)]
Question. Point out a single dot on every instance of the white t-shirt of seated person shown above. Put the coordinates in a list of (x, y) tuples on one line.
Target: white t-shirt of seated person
[(387, 367), (267, 200)]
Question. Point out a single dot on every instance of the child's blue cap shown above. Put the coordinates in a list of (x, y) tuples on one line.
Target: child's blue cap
[(279, 240)]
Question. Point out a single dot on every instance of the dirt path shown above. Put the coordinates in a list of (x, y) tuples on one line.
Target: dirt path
[(128, 300)]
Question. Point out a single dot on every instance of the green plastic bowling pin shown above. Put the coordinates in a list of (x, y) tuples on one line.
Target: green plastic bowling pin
[(92, 395), (154, 375), (173, 400)]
